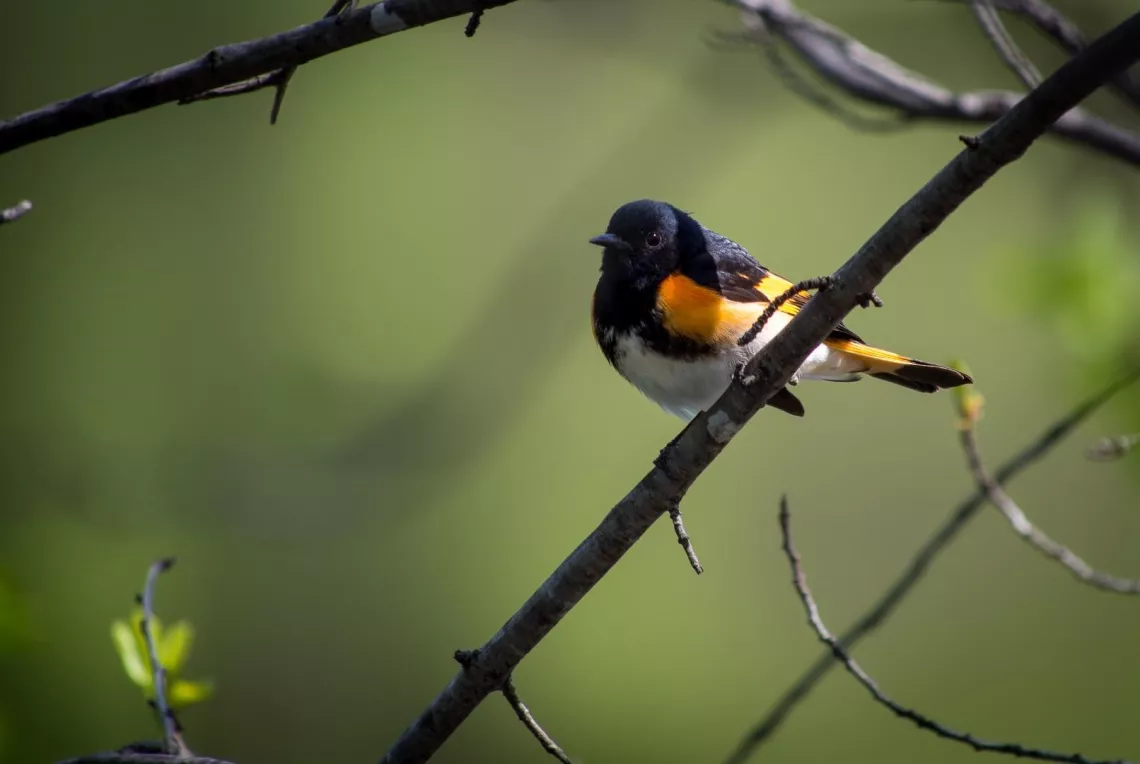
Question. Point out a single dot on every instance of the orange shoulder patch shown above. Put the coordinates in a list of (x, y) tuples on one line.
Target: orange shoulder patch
[(702, 314)]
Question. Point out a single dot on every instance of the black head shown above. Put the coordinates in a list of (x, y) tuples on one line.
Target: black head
[(648, 238)]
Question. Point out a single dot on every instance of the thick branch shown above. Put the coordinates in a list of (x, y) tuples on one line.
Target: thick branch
[(917, 567), (872, 77), (1033, 535), (231, 64), (799, 581), (706, 436)]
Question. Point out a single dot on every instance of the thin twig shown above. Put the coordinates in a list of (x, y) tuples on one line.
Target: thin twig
[(810, 92), (707, 434), (1007, 49), (819, 282), (916, 569), (278, 80), (1110, 449), (799, 580), (473, 23), (873, 78), (1029, 532), (528, 720), (15, 212), (684, 540), (1068, 36), (172, 739)]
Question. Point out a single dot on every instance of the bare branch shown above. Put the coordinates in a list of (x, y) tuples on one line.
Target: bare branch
[(684, 540), (1068, 36), (232, 64), (15, 212), (680, 463), (873, 78), (1110, 449), (917, 567), (172, 739), (1003, 43), (127, 756), (1033, 535), (528, 720), (799, 580)]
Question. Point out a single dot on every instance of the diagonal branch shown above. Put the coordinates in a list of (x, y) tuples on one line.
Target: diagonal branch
[(917, 567), (231, 64), (873, 78), (995, 31), (1068, 36), (1033, 535), (683, 460), (799, 580)]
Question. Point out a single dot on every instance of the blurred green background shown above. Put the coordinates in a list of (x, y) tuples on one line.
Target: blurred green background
[(342, 369)]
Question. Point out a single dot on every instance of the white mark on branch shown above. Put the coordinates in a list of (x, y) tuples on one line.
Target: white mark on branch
[(385, 22), (721, 427)]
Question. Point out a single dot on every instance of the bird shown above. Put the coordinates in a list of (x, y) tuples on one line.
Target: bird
[(674, 298)]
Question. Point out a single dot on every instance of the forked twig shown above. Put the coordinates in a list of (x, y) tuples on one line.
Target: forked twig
[(916, 569), (1033, 535), (799, 580)]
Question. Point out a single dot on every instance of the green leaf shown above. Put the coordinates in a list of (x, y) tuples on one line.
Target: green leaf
[(182, 693), (133, 658), (175, 647)]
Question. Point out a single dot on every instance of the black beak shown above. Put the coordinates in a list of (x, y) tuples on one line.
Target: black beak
[(610, 241)]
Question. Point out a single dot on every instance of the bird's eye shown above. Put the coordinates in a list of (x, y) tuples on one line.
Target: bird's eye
[(653, 239)]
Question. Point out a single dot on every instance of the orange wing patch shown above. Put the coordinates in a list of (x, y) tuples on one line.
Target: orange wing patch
[(772, 286), (702, 314)]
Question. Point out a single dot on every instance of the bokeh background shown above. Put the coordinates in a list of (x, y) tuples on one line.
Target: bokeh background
[(342, 369)]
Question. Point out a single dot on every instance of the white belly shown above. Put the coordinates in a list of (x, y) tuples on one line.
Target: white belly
[(687, 387)]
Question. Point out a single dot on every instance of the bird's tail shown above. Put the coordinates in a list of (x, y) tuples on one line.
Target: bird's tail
[(882, 364)]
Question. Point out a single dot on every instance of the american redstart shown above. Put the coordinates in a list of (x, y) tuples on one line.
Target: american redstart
[(674, 298)]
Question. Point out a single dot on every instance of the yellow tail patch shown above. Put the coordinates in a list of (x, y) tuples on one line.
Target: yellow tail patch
[(883, 360)]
